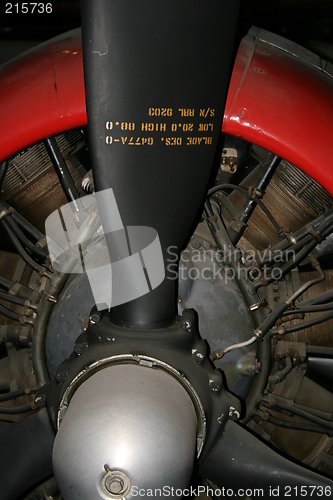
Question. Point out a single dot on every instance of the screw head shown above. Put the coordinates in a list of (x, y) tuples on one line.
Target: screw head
[(196, 244), (79, 348), (114, 484), (95, 318), (40, 401), (198, 356), (186, 324), (214, 385), (61, 377), (233, 414)]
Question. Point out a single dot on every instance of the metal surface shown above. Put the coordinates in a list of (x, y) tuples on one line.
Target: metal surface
[(276, 104), (61, 169), (45, 83), (35, 434), (67, 320), (145, 427), (177, 349), (292, 197), (307, 193), (224, 319), (293, 49), (29, 165), (240, 460), (141, 361), (320, 335), (173, 126), (31, 181), (239, 223), (313, 154), (203, 286), (282, 104)]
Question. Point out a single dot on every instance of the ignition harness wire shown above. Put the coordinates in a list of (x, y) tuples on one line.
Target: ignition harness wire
[(267, 417), (266, 326), (15, 316), (16, 394), (252, 194), (309, 309), (18, 409), (22, 253), (12, 299)]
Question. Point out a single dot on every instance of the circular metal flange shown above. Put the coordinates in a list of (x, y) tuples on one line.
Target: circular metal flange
[(148, 362)]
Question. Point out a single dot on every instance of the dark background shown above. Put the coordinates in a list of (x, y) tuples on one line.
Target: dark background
[(308, 22)]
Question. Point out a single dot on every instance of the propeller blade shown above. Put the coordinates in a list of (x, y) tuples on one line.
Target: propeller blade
[(156, 79), (25, 454), (241, 462)]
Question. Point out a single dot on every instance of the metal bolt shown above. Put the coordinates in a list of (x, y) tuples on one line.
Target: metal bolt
[(198, 356), (79, 348), (116, 484), (214, 385), (61, 377), (254, 274), (186, 324), (95, 318), (195, 243), (221, 419), (257, 367), (248, 257), (40, 401), (233, 413)]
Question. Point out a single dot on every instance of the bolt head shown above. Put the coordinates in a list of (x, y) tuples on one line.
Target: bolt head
[(196, 244), (233, 414), (214, 385), (95, 318), (186, 324), (61, 377), (40, 401), (79, 348), (115, 484), (198, 356)]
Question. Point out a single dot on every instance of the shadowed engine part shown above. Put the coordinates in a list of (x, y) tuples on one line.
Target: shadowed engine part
[(203, 286), (255, 468), (129, 428), (33, 434)]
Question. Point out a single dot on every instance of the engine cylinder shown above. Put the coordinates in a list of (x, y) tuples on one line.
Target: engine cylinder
[(129, 430)]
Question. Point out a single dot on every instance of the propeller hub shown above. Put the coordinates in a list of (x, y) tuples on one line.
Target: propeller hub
[(127, 428)]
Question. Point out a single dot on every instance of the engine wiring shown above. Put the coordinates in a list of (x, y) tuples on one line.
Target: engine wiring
[(29, 243), (300, 245)]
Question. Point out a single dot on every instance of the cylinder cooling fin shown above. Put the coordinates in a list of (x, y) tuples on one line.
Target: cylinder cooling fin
[(31, 181), (292, 196)]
